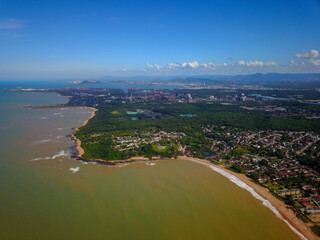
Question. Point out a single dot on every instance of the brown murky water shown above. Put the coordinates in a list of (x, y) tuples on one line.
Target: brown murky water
[(41, 197)]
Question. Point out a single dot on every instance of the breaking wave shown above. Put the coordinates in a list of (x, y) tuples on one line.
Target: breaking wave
[(74, 170), (57, 113), (151, 164), (61, 153), (37, 159), (243, 185)]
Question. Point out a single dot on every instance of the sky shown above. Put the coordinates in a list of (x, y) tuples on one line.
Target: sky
[(91, 39)]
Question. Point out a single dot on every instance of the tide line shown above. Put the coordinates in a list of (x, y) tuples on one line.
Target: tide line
[(243, 185)]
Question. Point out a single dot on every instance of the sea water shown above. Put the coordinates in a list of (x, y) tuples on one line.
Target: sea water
[(45, 194)]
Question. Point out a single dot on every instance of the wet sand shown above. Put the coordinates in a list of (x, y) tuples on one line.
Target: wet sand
[(282, 208), (78, 142)]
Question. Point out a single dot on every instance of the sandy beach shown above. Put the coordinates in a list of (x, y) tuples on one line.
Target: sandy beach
[(282, 208), (78, 142)]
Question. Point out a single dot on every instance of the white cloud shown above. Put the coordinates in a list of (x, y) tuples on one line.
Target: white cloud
[(206, 67), (241, 63), (174, 65), (256, 63), (210, 64), (10, 24), (194, 64), (157, 66), (310, 55), (191, 65), (271, 63), (315, 62)]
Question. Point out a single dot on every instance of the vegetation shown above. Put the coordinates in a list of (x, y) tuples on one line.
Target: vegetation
[(112, 120)]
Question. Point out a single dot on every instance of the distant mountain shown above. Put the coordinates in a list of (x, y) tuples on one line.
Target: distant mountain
[(287, 77), (258, 78), (268, 79)]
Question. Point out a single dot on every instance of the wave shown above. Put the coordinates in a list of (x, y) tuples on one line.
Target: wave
[(60, 129), (44, 118), (37, 159), (151, 164), (61, 153), (57, 113), (122, 165), (243, 185), (74, 170), (41, 141), (61, 115)]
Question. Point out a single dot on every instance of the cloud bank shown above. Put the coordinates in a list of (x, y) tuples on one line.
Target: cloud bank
[(300, 62)]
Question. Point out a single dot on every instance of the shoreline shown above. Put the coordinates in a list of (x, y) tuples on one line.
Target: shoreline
[(278, 207), (78, 142)]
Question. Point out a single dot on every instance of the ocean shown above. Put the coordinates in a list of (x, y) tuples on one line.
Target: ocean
[(45, 194)]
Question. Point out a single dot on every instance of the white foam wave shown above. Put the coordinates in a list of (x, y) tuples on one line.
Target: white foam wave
[(61, 115), (151, 164), (60, 136), (243, 185), (74, 170), (44, 118), (61, 153), (37, 159), (60, 129), (57, 113)]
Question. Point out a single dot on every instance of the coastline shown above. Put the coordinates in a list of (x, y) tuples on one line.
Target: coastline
[(296, 224), (78, 142), (263, 194)]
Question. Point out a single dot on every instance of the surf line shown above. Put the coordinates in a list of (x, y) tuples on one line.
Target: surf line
[(244, 186)]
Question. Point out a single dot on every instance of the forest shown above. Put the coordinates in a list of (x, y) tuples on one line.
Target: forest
[(112, 120)]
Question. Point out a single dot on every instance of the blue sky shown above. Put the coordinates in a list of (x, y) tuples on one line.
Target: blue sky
[(90, 39)]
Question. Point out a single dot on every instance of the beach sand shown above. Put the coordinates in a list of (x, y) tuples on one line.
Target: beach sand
[(78, 142), (282, 208)]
